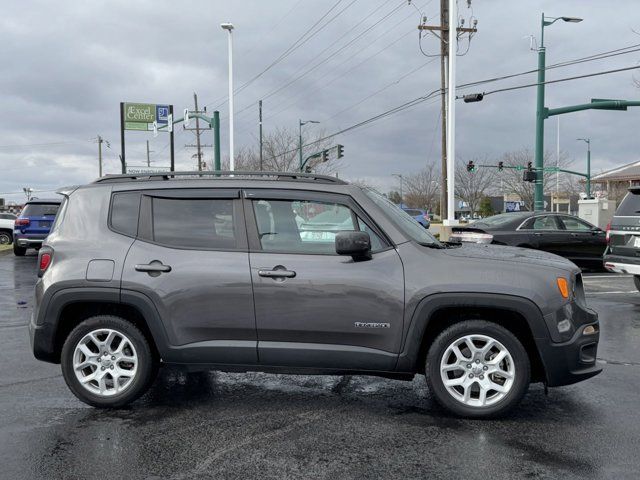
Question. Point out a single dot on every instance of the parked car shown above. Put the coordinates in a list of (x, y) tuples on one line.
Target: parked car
[(557, 233), (623, 236), (33, 224), (217, 272), (6, 228), (422, 216)]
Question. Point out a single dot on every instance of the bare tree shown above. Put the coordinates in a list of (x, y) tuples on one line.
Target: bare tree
[(422, 189), (511, 179), (472, 187), (281, 153)]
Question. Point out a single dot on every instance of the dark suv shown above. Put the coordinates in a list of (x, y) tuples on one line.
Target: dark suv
[(623, 237), (296, 273)]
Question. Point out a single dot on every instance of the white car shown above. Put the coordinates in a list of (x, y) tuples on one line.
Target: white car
[(6, 228)]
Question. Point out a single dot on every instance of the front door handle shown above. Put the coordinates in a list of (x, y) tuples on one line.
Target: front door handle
[(277, 273), (154, 267)]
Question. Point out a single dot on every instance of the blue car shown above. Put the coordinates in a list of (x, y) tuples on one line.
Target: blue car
[(421, 216), (33, 224)]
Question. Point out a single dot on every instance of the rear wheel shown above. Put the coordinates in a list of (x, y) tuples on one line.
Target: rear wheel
[(5, 238), (107, 362), (19, 251), (636, 281), (477, 369)]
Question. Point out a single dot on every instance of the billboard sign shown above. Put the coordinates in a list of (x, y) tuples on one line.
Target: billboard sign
[(140, 116)]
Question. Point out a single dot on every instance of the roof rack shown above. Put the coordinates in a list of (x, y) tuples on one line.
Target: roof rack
[(306, 177)]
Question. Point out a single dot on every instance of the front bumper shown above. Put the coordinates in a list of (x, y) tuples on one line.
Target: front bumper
[(620, 264), (573, 360)]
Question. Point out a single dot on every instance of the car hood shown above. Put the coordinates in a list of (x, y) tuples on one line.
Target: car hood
[(523, 256)]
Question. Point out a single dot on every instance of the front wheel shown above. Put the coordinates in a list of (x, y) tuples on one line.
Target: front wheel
[(107, 362), (477, 369)]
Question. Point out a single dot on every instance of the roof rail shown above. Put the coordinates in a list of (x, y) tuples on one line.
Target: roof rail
[(307, 177)]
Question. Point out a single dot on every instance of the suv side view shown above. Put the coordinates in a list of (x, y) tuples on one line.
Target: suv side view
[(295, 273)]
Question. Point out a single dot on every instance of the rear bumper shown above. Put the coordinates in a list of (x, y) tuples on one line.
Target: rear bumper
[(28, 240), (620, 264), (574, 360)]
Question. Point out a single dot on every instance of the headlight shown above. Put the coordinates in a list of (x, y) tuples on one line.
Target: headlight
[(471, 237)]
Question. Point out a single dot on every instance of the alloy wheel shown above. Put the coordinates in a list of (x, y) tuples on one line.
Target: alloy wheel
[(105, 362), (477, 370)]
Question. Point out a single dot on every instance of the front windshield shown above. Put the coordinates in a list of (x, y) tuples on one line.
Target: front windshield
[(403, 221), (501, 219)]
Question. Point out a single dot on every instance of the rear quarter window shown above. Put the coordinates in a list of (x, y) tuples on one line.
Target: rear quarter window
[(125, 208)]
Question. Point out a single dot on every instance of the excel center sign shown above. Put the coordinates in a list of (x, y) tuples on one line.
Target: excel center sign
[(141, 116)]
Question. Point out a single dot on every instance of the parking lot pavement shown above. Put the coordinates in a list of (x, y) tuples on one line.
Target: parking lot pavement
[(215, 425)]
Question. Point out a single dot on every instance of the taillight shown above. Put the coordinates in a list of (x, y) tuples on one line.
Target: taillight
[(22, 221), (608, 229), (45, 256)]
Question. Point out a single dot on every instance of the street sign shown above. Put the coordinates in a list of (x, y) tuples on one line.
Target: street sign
[(141, 169), (141, 116)]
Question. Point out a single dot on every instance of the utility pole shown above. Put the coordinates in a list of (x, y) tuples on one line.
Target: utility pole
[(100, 140), (148, 156), (260, 126), (197, 131), (443, 34)]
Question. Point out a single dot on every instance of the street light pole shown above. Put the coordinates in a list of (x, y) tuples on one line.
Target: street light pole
[(540, 111), (588, 142), (229, 28), (300, 124)]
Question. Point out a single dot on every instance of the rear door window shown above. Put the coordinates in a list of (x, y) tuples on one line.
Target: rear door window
[(194, 223), (575, 224)]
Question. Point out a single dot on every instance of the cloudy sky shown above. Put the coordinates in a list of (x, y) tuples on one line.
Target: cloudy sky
[(68, 64)]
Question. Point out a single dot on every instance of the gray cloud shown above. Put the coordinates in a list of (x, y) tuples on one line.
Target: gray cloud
[(67, 65)]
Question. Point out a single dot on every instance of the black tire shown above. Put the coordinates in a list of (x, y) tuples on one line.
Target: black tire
[(147, 362), (19, 251), (6, 237), (636, 281), (518, 353)]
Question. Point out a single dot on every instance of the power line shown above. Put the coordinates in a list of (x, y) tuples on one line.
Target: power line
[(297, 44), (577, 77), (353, 67), (329, 57)]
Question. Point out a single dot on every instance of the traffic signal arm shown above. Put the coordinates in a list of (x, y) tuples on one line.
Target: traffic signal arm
[(595, 104)]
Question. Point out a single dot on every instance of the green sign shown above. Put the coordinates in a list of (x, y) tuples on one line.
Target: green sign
[(139, 113)]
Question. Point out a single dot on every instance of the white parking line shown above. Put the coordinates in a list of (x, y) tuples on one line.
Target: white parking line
[(609, 293), (606, 276)]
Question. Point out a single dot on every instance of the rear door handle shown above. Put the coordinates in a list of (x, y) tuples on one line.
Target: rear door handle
[(276, 273), (153, 267)]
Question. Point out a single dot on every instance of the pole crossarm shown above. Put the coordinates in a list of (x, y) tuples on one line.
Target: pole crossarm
[(595, 104)]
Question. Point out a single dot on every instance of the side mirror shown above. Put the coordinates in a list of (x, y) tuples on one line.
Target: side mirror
[(354, 244)]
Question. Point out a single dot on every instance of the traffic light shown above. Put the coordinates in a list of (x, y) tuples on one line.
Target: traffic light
[(471, 167), (340, 151), (500, 166), (473, 97), (529, 175), (325, 156)]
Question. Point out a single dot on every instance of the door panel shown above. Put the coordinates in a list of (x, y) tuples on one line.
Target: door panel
[(545, 234), (315, 308), (351, 311), (199, 283)]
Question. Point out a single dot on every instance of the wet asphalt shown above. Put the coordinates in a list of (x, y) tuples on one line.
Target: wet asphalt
[(217, 425)]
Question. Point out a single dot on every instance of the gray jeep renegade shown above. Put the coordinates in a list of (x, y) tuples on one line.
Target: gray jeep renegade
[(295, 273)]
